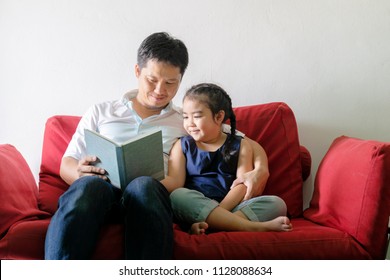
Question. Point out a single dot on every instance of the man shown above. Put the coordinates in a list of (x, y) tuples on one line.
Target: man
[(144, 205)]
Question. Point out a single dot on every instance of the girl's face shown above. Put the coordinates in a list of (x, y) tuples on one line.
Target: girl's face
[(199, 122)]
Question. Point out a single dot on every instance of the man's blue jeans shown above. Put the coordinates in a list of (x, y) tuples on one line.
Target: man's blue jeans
[(90, 202)]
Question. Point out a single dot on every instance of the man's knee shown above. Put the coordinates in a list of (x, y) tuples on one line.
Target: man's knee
[(140, 185), (146, 189), (87, 190), (87, 182)]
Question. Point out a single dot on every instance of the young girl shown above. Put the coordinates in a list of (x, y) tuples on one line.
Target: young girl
[(203, 166)]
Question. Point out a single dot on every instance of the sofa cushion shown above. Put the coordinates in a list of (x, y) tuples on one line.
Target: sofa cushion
[(352, 193), (58, 132), (273, 125), (307, 241), (18, 189), (25, 240)]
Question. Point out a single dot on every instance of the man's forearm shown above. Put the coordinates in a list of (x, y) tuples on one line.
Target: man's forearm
[(68, 170), (260, 159), (260, 163)]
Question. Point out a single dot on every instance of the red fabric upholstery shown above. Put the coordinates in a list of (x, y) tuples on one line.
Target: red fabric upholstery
[(273, 125), (305, 162), (347, 218), (18, 189), (58, 132), (352, 191), (307, 241), (25, 240)]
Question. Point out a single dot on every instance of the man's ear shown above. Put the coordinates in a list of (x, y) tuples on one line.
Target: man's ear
[(137, 70)]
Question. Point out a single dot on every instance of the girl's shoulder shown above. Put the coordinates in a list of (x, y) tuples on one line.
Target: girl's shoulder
[(245, 145), (187, 140)]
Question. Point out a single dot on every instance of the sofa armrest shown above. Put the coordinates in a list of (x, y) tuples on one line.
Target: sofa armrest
[(18, 189), (351, 192)]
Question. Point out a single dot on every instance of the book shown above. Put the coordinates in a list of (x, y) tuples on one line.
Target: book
[(141, 155)]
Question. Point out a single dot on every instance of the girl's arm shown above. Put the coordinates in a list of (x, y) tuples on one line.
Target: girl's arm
[(176, 169), (245, 164)]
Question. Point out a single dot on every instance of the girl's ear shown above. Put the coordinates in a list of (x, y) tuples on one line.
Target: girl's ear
[(220, 116)]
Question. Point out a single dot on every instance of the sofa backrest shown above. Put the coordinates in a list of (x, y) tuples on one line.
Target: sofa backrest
[(273, 125), (58, 132)]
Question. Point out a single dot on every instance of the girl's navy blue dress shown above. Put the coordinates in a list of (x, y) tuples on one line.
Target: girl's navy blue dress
[(208, 172)]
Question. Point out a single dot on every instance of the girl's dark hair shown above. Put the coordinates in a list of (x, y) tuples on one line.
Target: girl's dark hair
[(216, 99), (164, 48)]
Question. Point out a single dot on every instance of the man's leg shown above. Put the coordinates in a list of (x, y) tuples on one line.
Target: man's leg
[(74, 228), (148, 220)]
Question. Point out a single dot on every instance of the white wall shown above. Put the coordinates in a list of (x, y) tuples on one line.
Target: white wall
[(329, 60)]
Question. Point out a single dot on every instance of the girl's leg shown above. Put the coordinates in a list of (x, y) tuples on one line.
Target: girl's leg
[(190, 206), (262, 208), (193, 207)]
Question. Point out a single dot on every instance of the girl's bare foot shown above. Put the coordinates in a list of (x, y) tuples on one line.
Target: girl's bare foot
[(281, 223), (199, 228)]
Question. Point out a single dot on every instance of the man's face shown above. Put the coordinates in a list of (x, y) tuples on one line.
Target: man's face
[(158, 83)]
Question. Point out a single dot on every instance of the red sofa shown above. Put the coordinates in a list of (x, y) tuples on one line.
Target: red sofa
[(347, 218)]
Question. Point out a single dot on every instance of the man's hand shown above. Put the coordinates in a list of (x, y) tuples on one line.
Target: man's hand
[(72, 169), (254, 180), (85, 168)]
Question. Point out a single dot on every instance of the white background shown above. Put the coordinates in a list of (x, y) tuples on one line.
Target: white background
[(328, 60), (279, 270)]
